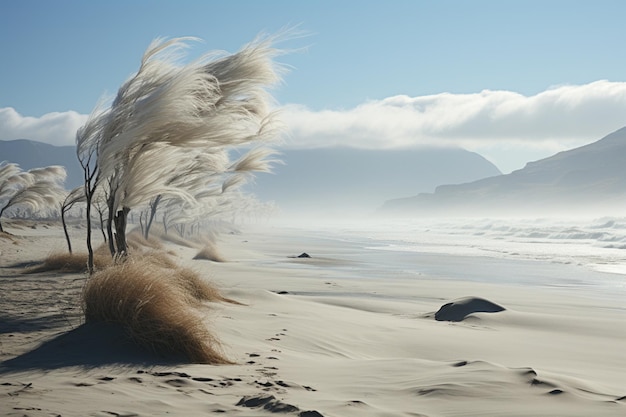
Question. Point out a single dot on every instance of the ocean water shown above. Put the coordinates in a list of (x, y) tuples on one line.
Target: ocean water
[(589, 254)]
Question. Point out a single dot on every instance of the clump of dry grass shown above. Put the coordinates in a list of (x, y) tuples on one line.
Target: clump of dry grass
[(154, 305), (160, 259), (210, 253), (136, 241), (103, 250), (175, 239), (197, 288), (69, 262)]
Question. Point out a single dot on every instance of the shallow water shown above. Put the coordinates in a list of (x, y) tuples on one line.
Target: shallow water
[(589, 254)]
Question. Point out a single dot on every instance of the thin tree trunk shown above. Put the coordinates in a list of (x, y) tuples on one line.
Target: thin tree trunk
[(111, 239), (67, 235), (104, 235), (141, 226), (153, 209), (121, 219), (90, 265)]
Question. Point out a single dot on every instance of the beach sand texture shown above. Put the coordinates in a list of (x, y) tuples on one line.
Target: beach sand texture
[(350, 331)]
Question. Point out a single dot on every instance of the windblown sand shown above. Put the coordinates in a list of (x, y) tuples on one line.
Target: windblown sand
[(347, 332)]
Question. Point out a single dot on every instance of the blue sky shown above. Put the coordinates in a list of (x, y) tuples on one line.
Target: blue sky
[(409, 73)]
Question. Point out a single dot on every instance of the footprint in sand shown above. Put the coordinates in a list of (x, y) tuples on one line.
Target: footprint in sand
[(202, 379), (177, 383)]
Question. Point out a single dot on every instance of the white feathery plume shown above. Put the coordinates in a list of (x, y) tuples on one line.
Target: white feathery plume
[(232, 182), (7, 170), (169, 130), (89, 135), (77, 195), (12, 179), (54, 174), (39, 189), (147, 175), (255, 160), (210, 106)]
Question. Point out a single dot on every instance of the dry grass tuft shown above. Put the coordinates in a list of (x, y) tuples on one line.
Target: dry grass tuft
[(210, 253), (136, 241), (160, 259), (197, 288), (69, 262), (102, 250), (177, 240), (153, 306)]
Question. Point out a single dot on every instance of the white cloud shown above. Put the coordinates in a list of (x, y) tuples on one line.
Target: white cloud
[(508, 128), (53, 128), (561, 117)]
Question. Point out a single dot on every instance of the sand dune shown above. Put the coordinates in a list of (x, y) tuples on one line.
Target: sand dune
[(347, 332)]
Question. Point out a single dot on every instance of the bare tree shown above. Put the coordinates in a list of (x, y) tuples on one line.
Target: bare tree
[(88, 139), (77, 195)]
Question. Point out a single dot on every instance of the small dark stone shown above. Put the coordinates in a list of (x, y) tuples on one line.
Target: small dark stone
[(280, 407), (202, 379), (304, 255), (252, 402), (310, 413)]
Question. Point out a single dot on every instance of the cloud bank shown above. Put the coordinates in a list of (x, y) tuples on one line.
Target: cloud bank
[(497, 124), (570, 114), (58, 128)]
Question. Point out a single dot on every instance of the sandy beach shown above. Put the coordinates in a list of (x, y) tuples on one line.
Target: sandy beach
[(350, 331)]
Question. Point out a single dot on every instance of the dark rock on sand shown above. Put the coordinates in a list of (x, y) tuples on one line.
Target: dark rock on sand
[(251, 401), (310, 413), (302, 255), (459, 309), (269, 403)]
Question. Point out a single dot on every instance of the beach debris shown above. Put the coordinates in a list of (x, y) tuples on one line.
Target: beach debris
[(269, 403), (302, 255), (311, 413), (458, 310)]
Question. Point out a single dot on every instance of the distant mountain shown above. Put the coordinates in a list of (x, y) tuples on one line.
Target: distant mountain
[(592, 177), (329, 180), (32, 154), (314, 180)]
